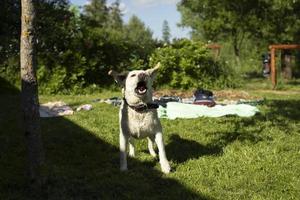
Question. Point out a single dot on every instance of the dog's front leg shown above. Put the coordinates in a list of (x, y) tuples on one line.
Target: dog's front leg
[(123, 149), (131, 147), (164, 163), (150, 146)]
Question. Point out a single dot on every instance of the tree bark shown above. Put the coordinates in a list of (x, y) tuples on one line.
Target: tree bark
[(29, 93)]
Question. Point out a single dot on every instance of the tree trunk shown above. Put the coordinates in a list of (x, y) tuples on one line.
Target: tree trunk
[(29, 93)]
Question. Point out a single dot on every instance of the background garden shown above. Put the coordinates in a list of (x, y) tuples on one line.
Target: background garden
[(212, 158), (77, 46)]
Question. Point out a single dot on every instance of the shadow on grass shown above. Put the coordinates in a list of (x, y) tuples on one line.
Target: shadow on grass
[(181, 150), (287, 109), (295, 82), (245, 130), (79, 165), (281, 114), (86, 167)]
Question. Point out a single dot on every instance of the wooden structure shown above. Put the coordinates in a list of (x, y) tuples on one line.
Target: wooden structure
[(273, 49), (216, 48)]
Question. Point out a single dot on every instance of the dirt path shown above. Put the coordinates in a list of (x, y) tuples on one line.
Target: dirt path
[(280, 92), (228, 94)]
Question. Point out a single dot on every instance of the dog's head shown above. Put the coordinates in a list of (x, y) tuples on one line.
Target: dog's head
[(137, 84)]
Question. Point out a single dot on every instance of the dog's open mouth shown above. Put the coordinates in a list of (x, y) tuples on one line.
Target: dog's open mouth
[(141, 88)]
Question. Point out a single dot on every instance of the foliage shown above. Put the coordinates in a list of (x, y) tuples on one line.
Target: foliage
[(96, 13), (115, 20), (262, 21), (75, 50), (250, 59), (186, 64), (10, 71), (166, 32), (10, 24), (140, 37), (61, 79), (215, 20), (107, 48)]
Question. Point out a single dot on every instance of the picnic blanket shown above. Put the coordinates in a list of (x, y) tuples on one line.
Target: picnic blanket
[(175, 110), (55, 109), (60, 108)]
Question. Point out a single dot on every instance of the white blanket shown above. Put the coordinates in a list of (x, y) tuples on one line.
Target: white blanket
[(180, 110)]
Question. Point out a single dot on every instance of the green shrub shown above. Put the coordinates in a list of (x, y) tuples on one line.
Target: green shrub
[(187, 64), (249, 63), (10, 71), (67, 76), (59, 80)]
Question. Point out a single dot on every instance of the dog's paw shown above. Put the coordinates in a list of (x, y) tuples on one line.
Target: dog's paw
[(153, 154), (165, 167)]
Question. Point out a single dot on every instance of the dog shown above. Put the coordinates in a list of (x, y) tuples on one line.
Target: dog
[(138, 117)]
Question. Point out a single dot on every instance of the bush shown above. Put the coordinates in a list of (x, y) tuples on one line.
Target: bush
[(187, 64), (10, 71)]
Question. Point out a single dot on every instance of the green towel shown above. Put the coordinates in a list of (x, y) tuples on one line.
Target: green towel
[(180, 110)]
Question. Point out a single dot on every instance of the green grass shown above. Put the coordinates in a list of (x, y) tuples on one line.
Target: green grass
[(212, 158)]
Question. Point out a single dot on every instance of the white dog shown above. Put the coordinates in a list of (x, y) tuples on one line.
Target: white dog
[(138, 115)]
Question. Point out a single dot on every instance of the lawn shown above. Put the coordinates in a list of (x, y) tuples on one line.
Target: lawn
[(212, 158)]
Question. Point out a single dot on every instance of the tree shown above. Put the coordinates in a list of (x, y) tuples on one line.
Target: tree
[(137, 31), (140, 37), (281, 21), (115, 16), (9, 28), (55, 30), (73, 48), (166, 32), (261, 21), (96, 13), (29, 92), (217, 20)]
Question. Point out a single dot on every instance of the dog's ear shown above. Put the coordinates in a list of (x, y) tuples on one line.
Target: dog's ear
[(153, 72), (119, 77)]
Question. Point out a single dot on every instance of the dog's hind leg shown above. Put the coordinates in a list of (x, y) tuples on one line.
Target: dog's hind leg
[(131, 147), (123, 149), (164, 163), (150, 146)]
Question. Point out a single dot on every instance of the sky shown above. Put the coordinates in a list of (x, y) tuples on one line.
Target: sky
[(152, 13)]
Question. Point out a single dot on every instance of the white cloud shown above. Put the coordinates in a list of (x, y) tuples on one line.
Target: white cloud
[(153, 2), (87, 2), (124, 9)]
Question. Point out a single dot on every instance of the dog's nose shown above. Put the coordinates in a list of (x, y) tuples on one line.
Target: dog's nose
[(142, 75)]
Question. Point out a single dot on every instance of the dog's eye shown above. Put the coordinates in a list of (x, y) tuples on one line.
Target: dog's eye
[(132, 75)]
